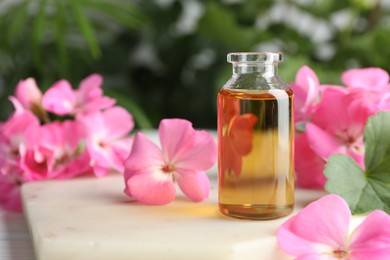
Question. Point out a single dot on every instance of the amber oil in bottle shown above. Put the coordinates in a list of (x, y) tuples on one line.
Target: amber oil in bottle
[(255, 140)]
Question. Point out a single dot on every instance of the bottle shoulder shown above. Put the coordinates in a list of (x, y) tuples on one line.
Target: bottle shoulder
[(255, 82)]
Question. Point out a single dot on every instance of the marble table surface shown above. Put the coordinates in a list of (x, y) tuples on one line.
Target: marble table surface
[(90, 218)]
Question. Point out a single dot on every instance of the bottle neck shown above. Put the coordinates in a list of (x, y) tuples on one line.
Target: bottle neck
[(265, 69)]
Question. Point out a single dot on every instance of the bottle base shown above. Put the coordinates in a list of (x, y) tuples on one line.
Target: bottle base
[(255, 211)]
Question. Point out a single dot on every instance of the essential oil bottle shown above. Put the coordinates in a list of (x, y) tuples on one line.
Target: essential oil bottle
[(255, 139)]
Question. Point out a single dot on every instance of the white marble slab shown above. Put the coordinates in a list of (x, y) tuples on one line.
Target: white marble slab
[(93, 219)]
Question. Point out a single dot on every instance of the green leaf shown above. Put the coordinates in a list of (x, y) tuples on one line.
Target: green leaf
[(127, 14), (377, 142), (16, 26), (220, 24), (86, 29), (38, 30), (59, 34), (369, 190)]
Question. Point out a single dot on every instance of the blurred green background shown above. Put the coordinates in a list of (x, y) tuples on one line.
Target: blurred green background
[(167, 58)]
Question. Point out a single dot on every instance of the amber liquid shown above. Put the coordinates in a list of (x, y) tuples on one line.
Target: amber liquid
[(255, 135)]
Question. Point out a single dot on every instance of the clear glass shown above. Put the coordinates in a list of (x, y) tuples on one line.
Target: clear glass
[(255, 139)]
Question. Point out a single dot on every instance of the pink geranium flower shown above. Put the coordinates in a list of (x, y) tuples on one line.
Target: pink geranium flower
[(306, 93), (321, 231), (332, 132), (62, 100), (108, 141), (184, 156)]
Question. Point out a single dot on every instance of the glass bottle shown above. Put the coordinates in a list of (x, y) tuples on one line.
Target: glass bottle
[(255, 139)]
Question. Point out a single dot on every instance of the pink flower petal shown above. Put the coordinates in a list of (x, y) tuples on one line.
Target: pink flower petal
[(122, 148), (309, 83), (17, 105), (323, 143), (307, 77), (93, 124), (201, 156), (371, 239), (28, 93), (296, 245), (324, 87), (194, 184), (22, 128), (301, 110), (90, 95), (358, 111), (357, 153), (316, 224), (77, 166), (306, 92), (384, 103), (89, 88), (60, 99), (153, 187), (327, 115), (367, 78), (100, 171), (118, 122), (176, 137), (97, 105), (144, 154), (37, 164), (61, 136), (309, 167), (108, 125), (103, 158)]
